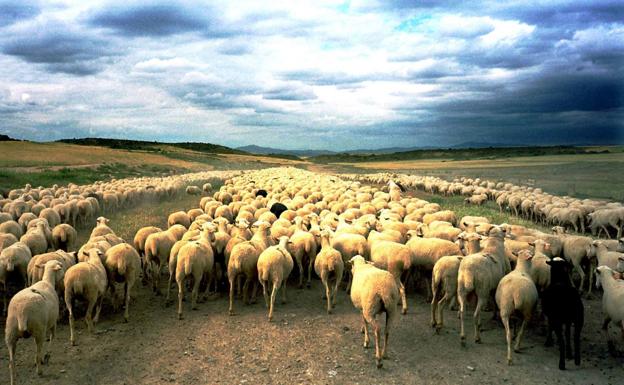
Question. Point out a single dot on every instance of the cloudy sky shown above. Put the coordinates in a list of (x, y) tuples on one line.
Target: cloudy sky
[(319, 74)]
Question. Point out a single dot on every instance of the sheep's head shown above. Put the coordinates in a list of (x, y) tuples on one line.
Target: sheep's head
[(102, 220), (602, 271)]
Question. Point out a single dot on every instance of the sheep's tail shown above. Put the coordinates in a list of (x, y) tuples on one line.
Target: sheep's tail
[(22, 322), (121, 266), (63, 236), (187, 266), (468, 282), (265, 275), (150, 250)]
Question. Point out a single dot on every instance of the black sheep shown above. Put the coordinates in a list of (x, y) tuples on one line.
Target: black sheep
[(262, 193), (563, 306), (278, 209)]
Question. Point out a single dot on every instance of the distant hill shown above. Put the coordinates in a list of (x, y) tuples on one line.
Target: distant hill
[(152, 146), (259, 150), (453, 154), (6, 138)]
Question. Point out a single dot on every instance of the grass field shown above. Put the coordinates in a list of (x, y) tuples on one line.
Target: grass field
[(580, 175), (48, 163)]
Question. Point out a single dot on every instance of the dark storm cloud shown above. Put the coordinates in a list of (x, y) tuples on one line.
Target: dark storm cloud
[(17, 10), (161, 19), (58, 47), (319, 78)]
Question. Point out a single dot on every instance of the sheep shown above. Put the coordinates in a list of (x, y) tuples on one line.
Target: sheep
[(575, 250), (88, 280), (193, 190), (277, 209), (12, 227), (243, 260), (64, 237), (612, 301), (606, 257), (179, 218), (14, 260), (141, 237), (302, 245), (374, 291), (446, 232), (562, 305), (122, 265), (274, 266), (446, 215), (443, 281), (157, 251), (101, 228), (36, 263), (196, 260), (329, 265), (602, 218), (6, 240), (469, 220), (396, 259), (50, 215), (33, 311), (24, 219), (207, 188), (540, 270), (516, 292), (477, 199), (426, 251), (350, 245), (480, 273)]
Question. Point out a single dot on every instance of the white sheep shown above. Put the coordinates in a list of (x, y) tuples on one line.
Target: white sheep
[(443, 287), (64, 237), (302, 245), (329, 265), (274, 266), (36, 239), (516, 292), (396, 259), (34, 311), (14, 260), (480, 273), (122, 265), (101, 228), (612, 301), (374, 291), (196, 260), (87, 280)]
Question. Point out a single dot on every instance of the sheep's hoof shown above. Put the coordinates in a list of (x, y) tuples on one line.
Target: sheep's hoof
[(437, 329), (73, 343), (180, 316), (509, 362), (308, 285), (379, 364), (462, 342), (562, 366), (231, 312), (329, 311), (126, 320), (46, 359), (477, 340), (404, 311), (168, 303)]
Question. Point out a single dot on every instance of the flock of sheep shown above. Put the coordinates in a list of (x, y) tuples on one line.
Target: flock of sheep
[(261, 225)]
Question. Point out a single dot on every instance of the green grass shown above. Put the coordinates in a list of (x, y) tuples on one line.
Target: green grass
[(128, 221), (489, 210), (82, 175)]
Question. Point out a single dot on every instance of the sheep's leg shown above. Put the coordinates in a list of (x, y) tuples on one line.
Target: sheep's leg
[(505, 320), (68, 304), (592, 269), (210, 277), (403, 297), (264, 292), (376, 330), (434, 304), (389, 319), (273, 293), (477, 319), (39, 339), (310, 267), (605, 330), (89, 315), (284, 292), (562, 347), (195, 291), (338, 279), (328, 295), (254, 291), (127, 288), (169, 283), (246, 290), (231, 308), (462, 309), (46, 357), (239, 288), (440, 311), (579, 269), (98, 308), (577, 342), (300, 267), (180, 296), (365, 330), (11, 343), (525, 322)]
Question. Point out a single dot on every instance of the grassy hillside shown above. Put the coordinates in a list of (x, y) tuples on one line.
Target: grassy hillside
[(125, 144)]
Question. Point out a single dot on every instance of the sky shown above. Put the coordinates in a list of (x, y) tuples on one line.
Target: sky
[(322, 74)]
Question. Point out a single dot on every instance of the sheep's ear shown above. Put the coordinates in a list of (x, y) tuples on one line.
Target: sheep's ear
[(532, 244)]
